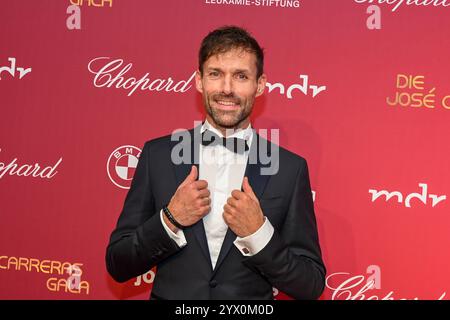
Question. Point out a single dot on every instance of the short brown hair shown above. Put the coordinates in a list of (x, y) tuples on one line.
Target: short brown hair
[(226, 38)]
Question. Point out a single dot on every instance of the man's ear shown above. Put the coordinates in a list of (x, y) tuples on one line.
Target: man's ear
[(198, 81), (262, 80)]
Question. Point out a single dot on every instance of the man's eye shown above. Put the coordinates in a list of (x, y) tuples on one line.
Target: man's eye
[(213, 74), (241, 76)]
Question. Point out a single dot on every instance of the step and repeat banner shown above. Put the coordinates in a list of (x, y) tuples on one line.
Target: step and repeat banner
[(359, 88)]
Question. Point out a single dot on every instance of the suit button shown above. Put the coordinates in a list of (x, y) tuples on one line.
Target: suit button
[(213, 283)]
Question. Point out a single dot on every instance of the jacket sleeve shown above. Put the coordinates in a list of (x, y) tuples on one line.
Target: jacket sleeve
[(292, 261), (139, 240)]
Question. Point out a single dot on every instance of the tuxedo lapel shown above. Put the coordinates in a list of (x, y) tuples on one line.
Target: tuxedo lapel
[(253, 170), (258, 183), (182, 170)]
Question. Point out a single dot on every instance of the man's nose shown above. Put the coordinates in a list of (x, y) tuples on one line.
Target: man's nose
[(227, 85)]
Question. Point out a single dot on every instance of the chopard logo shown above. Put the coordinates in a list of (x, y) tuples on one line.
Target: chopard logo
[(26, 170), (361, 287), (112, 74), (395, 4)]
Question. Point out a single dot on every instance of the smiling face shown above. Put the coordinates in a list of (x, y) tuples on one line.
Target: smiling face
[(229, 86)]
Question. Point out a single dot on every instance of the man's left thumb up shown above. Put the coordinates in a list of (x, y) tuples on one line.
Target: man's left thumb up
[(248, 189)]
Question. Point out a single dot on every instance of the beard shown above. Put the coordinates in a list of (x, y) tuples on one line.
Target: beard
[(229, 119)]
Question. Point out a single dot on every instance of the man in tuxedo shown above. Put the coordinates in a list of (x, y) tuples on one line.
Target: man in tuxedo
[(209, 212)]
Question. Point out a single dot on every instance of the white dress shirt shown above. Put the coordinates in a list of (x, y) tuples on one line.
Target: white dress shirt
[(224, 171)]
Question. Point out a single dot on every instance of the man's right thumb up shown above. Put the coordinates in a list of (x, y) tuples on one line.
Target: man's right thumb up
[(192, 176)]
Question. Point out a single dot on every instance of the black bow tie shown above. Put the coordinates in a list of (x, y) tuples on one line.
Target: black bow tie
[(236, 145)]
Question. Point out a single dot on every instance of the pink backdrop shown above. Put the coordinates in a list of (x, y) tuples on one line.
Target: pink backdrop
[(339, 66)]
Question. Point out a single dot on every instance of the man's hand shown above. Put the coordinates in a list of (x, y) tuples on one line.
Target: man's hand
[(242, 212), (191, 201)]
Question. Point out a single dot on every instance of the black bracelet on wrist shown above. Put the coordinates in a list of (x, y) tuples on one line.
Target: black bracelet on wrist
[(171, 218)]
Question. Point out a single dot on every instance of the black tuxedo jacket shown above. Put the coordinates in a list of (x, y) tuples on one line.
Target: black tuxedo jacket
[(290, 262)]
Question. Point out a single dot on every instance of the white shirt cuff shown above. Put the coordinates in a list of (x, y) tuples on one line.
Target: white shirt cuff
[(177, 237), (254, 243)]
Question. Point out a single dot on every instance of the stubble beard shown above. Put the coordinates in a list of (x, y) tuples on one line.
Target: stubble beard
[(232, 119)]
